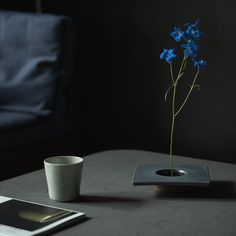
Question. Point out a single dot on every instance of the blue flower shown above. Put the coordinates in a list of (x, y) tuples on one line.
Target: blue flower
[(190, 48), (192, 30), (168, 55), (199, 63), (177, 34)]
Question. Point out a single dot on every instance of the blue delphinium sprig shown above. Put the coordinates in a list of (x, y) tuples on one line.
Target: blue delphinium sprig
[(188, 38)]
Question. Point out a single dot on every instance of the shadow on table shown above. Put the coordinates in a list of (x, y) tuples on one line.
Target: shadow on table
[(112, 201), (100, 199), (216, 190)]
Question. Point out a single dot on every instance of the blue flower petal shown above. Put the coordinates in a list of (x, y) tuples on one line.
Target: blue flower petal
[(192, 31), (199, 63), (190, 49), (177, 34), (168, 55), (164, 54)]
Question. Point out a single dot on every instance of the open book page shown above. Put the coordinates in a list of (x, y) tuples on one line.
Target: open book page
[(22, 218)]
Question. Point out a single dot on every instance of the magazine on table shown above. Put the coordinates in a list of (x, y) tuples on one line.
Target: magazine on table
[(23, 218)]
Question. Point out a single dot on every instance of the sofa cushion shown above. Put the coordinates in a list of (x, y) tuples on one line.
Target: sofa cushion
[(34, 68), (10, 120)]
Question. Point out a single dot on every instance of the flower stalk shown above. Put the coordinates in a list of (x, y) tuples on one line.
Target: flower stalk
[(173, 105), (172, 129)]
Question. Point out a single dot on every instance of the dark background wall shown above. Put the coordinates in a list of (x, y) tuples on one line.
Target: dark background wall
[(120, 81)]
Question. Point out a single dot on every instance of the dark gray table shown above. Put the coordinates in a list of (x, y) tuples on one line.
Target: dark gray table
[(116, 207)]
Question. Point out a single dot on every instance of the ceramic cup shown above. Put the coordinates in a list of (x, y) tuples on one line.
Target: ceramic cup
[(63, 175)]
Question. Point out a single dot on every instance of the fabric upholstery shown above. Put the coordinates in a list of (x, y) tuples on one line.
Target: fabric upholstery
[(34, 65)]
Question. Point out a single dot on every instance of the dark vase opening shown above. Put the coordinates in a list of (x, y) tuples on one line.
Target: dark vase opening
[(167, 172)]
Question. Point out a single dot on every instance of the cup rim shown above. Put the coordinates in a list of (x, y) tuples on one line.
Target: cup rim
[(49, 159)]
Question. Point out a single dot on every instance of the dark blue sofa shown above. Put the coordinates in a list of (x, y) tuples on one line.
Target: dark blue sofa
[(36, 69)]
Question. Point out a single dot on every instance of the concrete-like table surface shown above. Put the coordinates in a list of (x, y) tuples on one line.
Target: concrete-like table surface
[(115, 207)]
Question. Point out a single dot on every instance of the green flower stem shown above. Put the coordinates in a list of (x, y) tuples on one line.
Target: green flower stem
[(182, 67), (172, 129), (174, 85), (171, 73), (189, 92)]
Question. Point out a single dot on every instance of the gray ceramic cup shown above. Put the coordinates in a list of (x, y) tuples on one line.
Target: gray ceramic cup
[(63, 175)]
